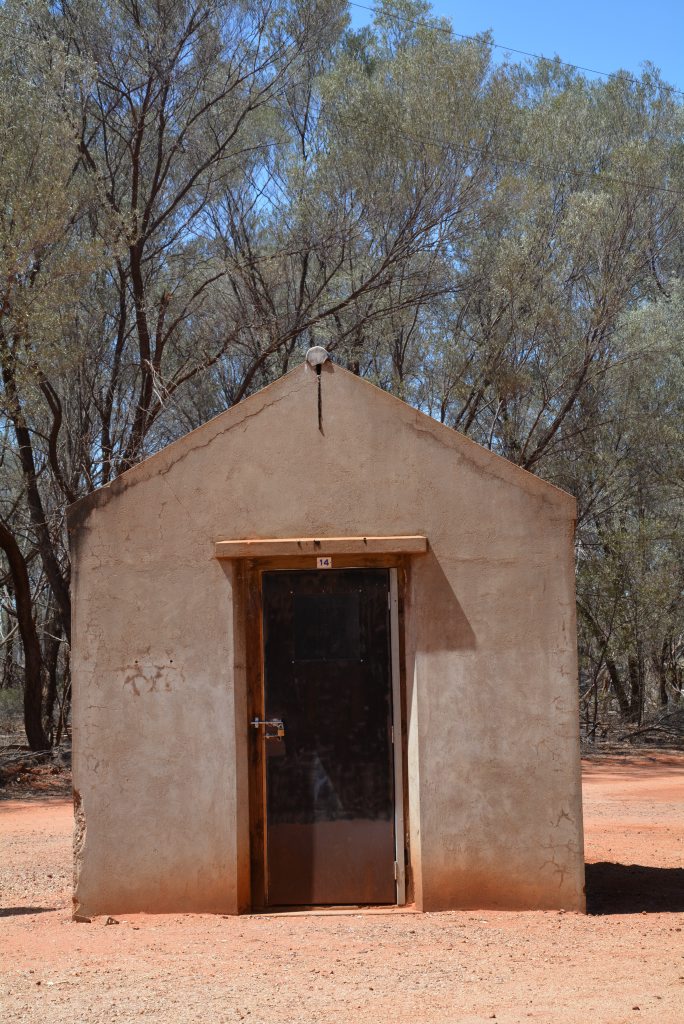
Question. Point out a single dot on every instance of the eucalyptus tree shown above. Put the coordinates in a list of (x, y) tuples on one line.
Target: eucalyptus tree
[(44, 264), (183, 109), (628, 477), (353, 233), (579, 231), (544, 351)]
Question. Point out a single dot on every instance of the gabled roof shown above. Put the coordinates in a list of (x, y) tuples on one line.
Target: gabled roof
[(287, 386)]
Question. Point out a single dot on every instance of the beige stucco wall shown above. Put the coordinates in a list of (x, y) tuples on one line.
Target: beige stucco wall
[(160, 720)]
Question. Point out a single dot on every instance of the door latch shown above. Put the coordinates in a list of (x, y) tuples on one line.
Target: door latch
[(270, 723)]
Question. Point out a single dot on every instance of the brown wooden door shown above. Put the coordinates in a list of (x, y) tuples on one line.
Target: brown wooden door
[(329, 778)]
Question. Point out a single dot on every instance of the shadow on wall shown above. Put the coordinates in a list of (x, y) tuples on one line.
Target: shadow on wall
[(440, 620), (438, 625), (633, 889)]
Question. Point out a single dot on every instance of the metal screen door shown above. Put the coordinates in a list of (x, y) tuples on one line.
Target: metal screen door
[(329, 774)]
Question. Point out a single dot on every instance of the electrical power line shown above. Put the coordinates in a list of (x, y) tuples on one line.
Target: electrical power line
[(405, 19), (505, 160), (509, 49), (502, 159)]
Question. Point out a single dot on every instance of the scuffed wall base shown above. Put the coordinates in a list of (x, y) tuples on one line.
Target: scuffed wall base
[(98, 893), (483, 891)]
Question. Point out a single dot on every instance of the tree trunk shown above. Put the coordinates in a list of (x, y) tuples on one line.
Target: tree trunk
[(58, 583), (635, 689), (33, 662), (660, 664), (51, 646), (65, 704), (619, 689)]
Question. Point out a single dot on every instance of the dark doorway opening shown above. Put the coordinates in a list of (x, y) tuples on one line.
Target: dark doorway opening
[(329, 766)]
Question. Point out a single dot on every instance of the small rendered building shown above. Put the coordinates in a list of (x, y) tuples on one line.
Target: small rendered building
[(324, 652)]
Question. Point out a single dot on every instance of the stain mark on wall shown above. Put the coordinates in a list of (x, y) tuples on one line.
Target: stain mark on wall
[(153, 679)]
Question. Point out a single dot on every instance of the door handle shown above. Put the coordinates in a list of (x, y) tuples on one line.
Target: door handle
[(273, 723)]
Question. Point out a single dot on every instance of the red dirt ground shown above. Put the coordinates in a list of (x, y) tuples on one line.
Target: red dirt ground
[(624, 962)]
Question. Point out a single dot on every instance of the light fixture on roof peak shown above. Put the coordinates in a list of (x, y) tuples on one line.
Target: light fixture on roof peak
[(316, 356)]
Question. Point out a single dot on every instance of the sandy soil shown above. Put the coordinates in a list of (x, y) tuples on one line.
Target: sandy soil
[(623, 962)]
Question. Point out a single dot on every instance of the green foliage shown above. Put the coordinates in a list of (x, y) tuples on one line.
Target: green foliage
[(46, 258)]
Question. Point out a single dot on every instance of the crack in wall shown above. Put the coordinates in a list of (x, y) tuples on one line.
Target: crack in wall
[(79, 841)]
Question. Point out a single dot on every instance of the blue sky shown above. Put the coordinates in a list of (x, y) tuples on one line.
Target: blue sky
[(601, 34)]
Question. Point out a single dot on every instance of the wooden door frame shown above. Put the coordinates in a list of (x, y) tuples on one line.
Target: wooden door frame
[(251, 600)]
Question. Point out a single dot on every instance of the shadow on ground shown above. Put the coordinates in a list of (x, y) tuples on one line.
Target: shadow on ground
[(19, 911), (633, 889)]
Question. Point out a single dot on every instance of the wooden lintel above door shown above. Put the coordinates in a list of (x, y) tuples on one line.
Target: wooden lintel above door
[(414, 544)]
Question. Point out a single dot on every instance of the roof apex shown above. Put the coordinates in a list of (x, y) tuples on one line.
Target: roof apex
[(289, 384)]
